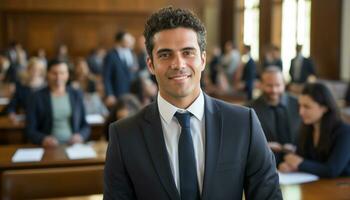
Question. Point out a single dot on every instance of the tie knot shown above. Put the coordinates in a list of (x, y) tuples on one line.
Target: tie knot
[(184, 119)]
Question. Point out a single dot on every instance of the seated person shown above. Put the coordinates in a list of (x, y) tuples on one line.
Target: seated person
[(126, 106), (56, 114), (85, 82), (277, 112), (323, 148), (144, 89), (33, 79), (6, 85)]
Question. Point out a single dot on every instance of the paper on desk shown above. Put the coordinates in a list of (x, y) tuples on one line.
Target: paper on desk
[(95, 119), (28, 155), (80, 151), (296, 178), (4, 100)]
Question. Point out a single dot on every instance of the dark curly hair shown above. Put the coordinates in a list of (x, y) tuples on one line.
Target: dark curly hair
[(171, 18)]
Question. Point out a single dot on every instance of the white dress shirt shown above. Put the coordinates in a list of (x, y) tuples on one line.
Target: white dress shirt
[(172, 130)]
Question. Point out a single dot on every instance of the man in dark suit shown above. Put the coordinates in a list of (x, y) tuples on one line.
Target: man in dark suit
[(277, 112), (301, 68), (186, 145), (249, 72), (116, 73)]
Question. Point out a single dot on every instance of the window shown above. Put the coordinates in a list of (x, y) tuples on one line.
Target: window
[(296, 19), (251, 26)]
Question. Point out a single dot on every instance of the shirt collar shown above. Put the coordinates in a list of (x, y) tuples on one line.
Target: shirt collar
[(167, 110)]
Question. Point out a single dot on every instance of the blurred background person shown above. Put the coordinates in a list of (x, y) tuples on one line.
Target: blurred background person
[(7, 87), (56, 113), (301, 69), (127, 105), (95, 61), (248, 72), (41, 55), (32, 79), (144, 89), (347, 96), (323, 148), (272, 57), (141, 56), (230, 61), (85, 82), (116, 74), (277, 112)]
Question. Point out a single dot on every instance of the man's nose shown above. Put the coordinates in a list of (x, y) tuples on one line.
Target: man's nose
[(178, 62)]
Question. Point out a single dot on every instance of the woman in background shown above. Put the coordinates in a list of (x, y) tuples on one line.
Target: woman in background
[(323, 148), (56, 114), (83, 81), (32, 80)]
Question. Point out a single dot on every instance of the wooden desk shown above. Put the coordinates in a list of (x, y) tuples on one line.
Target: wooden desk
[(10, 132), (54, 166), (13, 133), (324, 189)]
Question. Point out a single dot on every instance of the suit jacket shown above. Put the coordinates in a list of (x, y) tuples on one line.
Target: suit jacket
[(19, 98), (249, 75), (337, 163), (236, 157), (39, 115), (307, 69), (116, 74), (265, 115)]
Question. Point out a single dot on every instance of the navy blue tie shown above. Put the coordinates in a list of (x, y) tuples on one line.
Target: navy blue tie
[(187, 162)]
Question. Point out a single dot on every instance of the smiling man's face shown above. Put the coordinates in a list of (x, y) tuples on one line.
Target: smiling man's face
[(177, 64)]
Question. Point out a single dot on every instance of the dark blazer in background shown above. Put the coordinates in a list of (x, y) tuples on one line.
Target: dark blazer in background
[(266, 116), (248, 76), (116, 75), (307, 69), (236, 157), (19, 99), (337, 163), (39, 117)]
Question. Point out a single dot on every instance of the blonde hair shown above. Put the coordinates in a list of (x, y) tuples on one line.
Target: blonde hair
[(33, 62)]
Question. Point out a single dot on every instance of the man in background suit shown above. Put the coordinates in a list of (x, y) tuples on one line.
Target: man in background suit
[(249, 72), (277, 112), (301, 68), (186, 145), (116, 73)]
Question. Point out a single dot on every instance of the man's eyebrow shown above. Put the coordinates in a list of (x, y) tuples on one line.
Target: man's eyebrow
[(163, 51), (189, 48)]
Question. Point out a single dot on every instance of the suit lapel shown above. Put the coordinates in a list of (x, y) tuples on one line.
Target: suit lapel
[(213, 132), (154, 138)]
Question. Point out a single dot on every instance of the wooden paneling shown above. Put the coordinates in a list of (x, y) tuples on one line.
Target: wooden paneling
[(265, 25), (276, 23), (325, 37), (81, 32), (83, 5), (226, 21), (80, 24), (2, 24)]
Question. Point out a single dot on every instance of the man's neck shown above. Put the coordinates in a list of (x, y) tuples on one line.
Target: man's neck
[(182, 103)]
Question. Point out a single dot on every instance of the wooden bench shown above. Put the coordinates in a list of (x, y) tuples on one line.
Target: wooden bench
[(52, 182)]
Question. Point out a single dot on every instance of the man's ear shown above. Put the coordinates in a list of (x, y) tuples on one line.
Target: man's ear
[(150, 65), (203, 59)]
